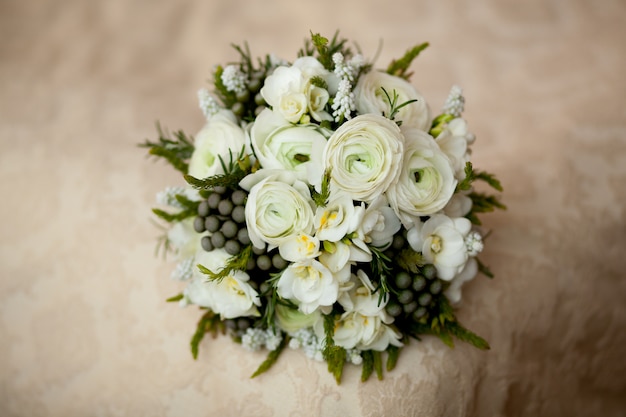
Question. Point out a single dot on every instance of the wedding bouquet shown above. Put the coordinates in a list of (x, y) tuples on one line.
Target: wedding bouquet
[(325, 208)]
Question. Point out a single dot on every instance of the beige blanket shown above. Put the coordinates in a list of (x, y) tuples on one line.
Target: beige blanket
[(84, 329)]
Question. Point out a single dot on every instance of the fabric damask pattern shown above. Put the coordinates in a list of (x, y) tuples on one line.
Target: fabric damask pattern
[(84, 330)]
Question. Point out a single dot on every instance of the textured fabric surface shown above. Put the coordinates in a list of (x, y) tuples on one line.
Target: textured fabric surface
[(84, 330)]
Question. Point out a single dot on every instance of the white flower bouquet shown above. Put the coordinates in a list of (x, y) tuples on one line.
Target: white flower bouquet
[(325, 208)]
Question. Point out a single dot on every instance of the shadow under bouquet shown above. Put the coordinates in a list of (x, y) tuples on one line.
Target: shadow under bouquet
[(325, 208)]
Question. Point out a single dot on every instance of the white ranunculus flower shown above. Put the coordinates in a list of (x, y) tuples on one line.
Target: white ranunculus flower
[(427, 181), (217, 137), (370, 98), (364, 156), (441, 240), (279, 144), (310, 284), (453, 293), (278, 207), (230, 297)]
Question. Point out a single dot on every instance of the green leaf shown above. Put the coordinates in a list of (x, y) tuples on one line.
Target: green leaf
[(378, 364), (482, 268), (207, 323), (471, 175), (334, 355), (321, 198), (367, 367), (174, 217), (394, 107), (176, 151), (237, 262), (400, 67), (318, 81), (175, 298), (272, 357), (465, 335), (187, 203), (409, 260), (484, 203), (393, 352)]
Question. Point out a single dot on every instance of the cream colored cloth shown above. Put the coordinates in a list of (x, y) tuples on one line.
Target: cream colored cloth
[(84, 329)]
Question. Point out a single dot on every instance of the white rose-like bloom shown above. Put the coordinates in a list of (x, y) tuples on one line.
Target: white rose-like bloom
[(278, 207), (364, 156), (370, 98), (288, 90), (230, 297), (279, 144), (427, 181), (310, 284), (441, 240), (217, 137)]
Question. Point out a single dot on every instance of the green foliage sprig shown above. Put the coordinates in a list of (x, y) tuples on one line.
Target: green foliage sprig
[(176, 150), (394, 107), (325, 49), (400, 67), (409, 260), (272, 357), (234, 263), (334, 355), (234, 171), (190, 209), (381, 267), (442, 322), (321, 198), (208, 323)]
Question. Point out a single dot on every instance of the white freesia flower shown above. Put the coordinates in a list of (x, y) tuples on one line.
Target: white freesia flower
[(219, 135), (453, 293), (453, 142), (364, 156), (230, 297), (310, 284), (278, 207), (458, 206), (279, 144), (427, 181), (441, 240), (379, 223), (335, 220), (300, 248), (364, 324), (370, 98), (184, 239)]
